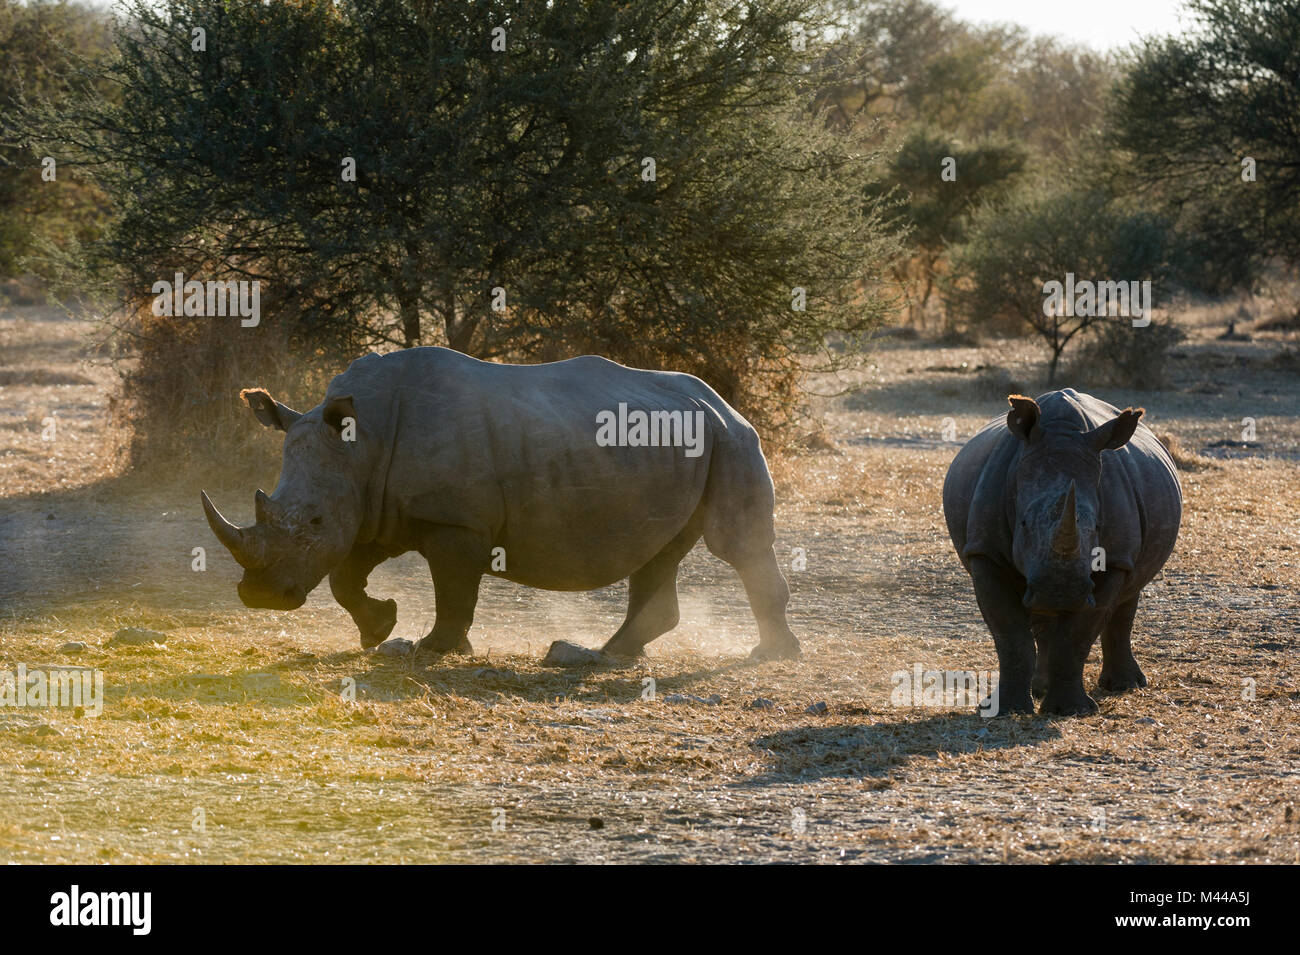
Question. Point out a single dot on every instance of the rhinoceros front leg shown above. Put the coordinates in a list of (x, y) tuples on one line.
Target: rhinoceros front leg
[(374, 618), (1039, 684), (1067, 638), (457, 560), (1000, 595)]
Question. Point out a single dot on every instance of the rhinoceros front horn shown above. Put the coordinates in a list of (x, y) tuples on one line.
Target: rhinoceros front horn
[(236, 539), (1066, 540)]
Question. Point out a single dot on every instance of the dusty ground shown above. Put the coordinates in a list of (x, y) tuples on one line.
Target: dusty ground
[(234, 743)]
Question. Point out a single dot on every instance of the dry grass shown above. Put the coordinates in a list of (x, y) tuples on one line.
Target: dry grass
[(241, 716)]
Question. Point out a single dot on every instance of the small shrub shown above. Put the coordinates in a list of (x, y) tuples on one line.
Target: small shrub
[(1186, 459), (994, 383), (1119, 355), (194, 369)]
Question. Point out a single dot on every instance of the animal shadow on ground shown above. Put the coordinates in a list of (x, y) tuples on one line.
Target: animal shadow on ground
[(874, 749), (617, 681)]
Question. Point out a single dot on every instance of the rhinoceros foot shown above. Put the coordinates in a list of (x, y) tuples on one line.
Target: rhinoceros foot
[(1075, 703), (1119, 679), (378, 623), (428, 647), (1005, 705), (785, 650)]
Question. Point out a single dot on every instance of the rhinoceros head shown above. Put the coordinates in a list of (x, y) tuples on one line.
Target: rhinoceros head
[(310, 522), (1057, 498)]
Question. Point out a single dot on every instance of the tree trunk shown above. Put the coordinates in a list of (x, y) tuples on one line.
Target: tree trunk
[(460, 324), (409, 309)]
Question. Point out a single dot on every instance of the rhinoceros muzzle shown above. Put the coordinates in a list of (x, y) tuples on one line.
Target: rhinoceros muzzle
[(1049, 605), (258, 597)]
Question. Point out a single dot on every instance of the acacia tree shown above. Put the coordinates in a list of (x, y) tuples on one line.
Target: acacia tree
[(1192, 109), (1015, 247), (938, 181), (641, 179), (42, 45)]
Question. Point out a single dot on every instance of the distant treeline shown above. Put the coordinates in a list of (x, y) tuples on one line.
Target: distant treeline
[(743, 191)]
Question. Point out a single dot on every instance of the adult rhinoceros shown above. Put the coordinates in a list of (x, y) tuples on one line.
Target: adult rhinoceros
[(563, 476), (1061, 514)]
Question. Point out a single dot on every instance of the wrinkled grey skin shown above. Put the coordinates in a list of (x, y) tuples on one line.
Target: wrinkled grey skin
[(454, 457), (1026, 500)]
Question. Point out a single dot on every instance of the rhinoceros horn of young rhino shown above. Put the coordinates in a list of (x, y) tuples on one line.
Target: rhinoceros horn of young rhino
[(1066, 540), (245, 544)]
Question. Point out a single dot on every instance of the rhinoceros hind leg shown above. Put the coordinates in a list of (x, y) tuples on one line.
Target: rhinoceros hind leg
[(769, 595), (738, 528), (457, 560), (1119, 668), (652, 597), (747, 546)]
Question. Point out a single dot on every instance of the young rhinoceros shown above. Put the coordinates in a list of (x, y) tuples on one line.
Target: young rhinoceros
[(566, 476), (1061, 514)]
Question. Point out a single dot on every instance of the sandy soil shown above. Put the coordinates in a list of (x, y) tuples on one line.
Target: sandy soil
[(234, 742)]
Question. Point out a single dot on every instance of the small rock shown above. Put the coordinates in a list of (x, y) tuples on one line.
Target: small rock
[(760, 703), (1145, 721), (73, 646), (136, 637), (818, 709), (713, 700), (487, 673), (46, 730), (396, 647), (565, 654)]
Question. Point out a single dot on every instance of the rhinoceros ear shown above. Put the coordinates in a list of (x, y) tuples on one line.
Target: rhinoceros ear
[(336, 409), (1116, 432), (1022, 419), (267, 410)]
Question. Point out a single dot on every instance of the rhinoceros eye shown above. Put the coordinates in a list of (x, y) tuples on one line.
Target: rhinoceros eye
[(316, 520)]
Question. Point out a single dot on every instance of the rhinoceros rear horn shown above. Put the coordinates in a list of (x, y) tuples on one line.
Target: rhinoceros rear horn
[(262, 507), (236, 539), (1066, 540)]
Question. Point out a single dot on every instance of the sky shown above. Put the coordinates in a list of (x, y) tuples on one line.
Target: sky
[(1100, 24)]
